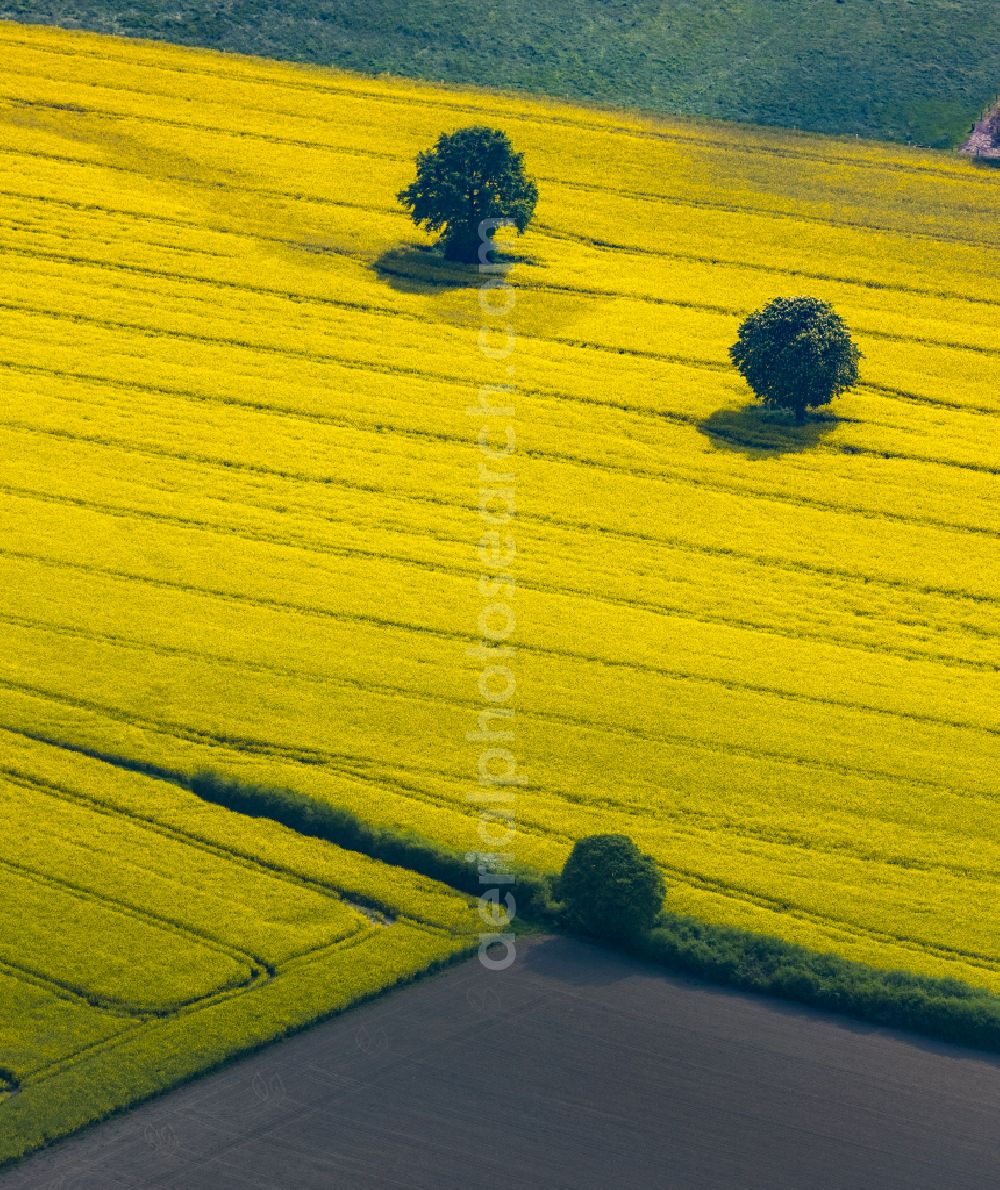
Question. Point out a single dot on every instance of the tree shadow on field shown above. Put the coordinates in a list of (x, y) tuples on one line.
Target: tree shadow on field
[(422, 268), (760, 433), (577, 962)]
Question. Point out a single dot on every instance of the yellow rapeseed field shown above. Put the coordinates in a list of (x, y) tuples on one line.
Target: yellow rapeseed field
[(239, 505), (147, 935)]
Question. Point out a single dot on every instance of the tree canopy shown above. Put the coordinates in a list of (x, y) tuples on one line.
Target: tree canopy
[(470, 176), (796, 354), (611, 889)]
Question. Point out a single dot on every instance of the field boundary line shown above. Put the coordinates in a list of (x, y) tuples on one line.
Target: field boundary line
[(179, 836), (16, 102), (235, 855), (256, 966), (521, 99), (771, 904), (356, 770)]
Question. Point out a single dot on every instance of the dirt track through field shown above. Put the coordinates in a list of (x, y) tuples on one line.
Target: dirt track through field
[(573, 1069)]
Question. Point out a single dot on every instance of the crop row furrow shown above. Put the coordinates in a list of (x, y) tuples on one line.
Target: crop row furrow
[(259, 966), (43, 1071), (343, 763), (469, 572), (154, 826), (770, 269), (294, 413), (67, 990), (394, 312), (366, 152), (408, 627), (682, 545), (736, 487), (366, 905), (525, 285), (706, 824), (346, 763), (434, 277), (179, 731), (733, 208)]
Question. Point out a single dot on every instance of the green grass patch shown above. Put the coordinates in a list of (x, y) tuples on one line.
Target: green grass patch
[(920, 70)]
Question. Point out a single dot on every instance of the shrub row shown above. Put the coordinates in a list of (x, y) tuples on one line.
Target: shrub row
[(946, 1009), (943, 1008), (334, 824)]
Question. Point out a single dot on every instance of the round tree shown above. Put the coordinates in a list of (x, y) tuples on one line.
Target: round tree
[(610, 888), (796, 354), (469, 176)]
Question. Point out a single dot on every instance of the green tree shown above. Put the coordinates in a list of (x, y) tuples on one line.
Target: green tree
[(610, 888), (469, 176), (796, 354)]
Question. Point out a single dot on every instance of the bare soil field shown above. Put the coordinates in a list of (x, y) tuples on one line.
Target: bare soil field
[(575, 1068)]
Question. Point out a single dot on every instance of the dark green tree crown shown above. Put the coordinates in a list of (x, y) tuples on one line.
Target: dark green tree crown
[(611, 889), (469, 176), (796, 353)]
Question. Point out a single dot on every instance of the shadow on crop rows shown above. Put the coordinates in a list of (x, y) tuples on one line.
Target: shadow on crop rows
[(421, 268), (757, 432)]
